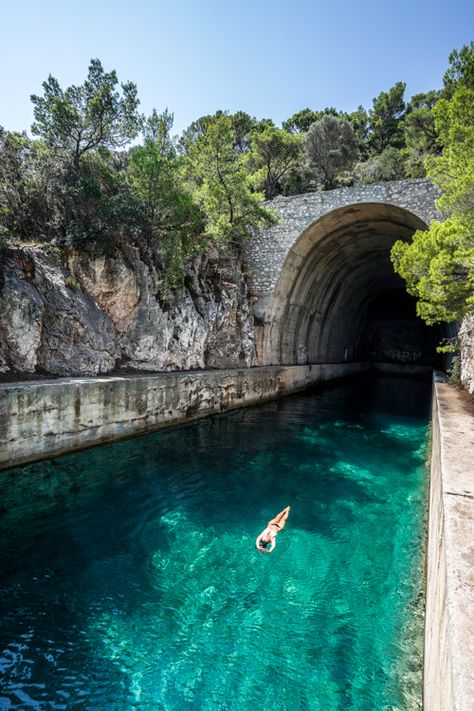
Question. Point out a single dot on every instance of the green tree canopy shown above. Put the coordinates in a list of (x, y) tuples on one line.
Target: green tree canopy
[(302, 120), (330, 147), (221, 185), (453, 170), (84, 118), (460, 73), (154, 173), (385, 118), (273, 155), (388, 165), (26, 211), (242, 126), (419, 132), (359, 120), (157, 129), (438, 265)]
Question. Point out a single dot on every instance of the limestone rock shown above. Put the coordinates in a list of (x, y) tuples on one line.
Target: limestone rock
[(47, 327), (21, 318), (99, 313), (466, 339)]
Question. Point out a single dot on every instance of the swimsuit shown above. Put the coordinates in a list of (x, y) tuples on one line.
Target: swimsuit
[(277, 525)]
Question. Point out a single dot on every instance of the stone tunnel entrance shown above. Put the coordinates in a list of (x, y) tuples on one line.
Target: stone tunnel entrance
[(337, 298)]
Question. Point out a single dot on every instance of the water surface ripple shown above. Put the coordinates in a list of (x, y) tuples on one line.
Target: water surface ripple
[(145, 590)]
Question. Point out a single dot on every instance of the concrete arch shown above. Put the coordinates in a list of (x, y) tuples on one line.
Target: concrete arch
[(335, 269)]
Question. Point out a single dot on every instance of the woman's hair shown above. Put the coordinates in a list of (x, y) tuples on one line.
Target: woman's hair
[(263, 543)]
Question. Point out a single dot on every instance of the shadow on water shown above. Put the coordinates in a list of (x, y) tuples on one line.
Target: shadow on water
[(129, 574)]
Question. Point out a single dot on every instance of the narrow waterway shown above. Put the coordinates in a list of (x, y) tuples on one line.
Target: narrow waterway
[(146, 591)]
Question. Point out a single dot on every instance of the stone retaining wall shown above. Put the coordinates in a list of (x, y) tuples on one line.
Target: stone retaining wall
[(40, 419), (449, 629)]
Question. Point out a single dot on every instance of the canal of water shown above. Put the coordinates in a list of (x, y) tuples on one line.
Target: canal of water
[(145, 589)]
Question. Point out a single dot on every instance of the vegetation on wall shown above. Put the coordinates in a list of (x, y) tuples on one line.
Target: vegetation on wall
[(438, 265), (97, 172)]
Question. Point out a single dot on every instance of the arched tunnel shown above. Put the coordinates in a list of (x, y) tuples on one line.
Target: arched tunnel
[(338, 298)]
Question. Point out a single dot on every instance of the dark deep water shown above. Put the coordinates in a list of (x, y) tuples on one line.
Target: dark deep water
[(147, 592)]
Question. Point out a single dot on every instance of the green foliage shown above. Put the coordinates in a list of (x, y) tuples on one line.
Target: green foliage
[(243, 125), (32, 180), (330, 148), (419, 132), (52, 251), (274, 155), (438, 267), (72, 283), (84, 118), (157, 129), (453, 170), (449, 345), (99, 208), (222, 187), (455, 371), (385, 118), (388, 165), (302, 120), (460, 73), (174, 222), (194, 131), (359, 121)]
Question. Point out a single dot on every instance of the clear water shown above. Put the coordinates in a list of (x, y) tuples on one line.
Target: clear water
[(150, 594)]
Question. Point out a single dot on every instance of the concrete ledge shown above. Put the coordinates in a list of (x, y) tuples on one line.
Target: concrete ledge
[(449, 630), (45, 418)]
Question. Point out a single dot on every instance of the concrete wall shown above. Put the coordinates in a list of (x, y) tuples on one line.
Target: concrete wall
[(40, 419), (449, 630)]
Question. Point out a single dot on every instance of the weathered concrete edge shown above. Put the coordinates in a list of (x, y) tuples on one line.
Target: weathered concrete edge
[(45, 418), (449, 627)]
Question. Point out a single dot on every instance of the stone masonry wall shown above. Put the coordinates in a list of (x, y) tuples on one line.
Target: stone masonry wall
[(266, 255)]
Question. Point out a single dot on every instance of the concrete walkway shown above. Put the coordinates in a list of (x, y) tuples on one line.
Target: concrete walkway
[(449, 632)]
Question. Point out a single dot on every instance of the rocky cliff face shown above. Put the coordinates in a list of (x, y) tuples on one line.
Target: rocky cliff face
[(97, 315), (92, 315), (466, 339)]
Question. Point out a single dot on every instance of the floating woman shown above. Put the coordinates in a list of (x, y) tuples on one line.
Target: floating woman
[(268, 536)]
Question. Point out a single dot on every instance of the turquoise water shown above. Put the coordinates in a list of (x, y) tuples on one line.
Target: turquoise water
[(149, 593)]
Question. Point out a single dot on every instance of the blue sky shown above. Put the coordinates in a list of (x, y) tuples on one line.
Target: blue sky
[(270, 59)]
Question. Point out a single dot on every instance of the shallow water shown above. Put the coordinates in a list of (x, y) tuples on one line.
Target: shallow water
[(149, 593)]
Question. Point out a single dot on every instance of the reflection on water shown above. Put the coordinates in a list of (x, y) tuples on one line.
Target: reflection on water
[(145, 590)]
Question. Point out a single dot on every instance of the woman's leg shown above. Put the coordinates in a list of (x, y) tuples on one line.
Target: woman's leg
[(280, 518)]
